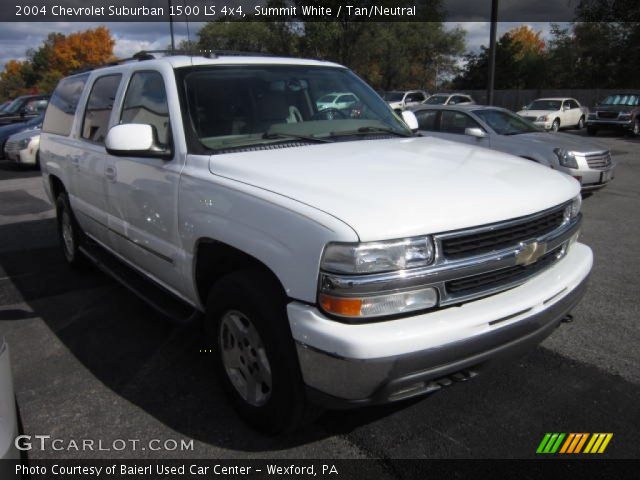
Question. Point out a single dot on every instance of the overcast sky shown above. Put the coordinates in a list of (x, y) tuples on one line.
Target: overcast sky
[(17, 38)]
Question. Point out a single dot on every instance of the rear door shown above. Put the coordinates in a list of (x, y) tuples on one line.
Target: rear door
[(143, 192), (88, 163)]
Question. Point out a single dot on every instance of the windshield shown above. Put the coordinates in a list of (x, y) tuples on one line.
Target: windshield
[(628, 100), (14, 106), (545, 105), (506, 123), (253, 105), (437, 100), (393, 96)]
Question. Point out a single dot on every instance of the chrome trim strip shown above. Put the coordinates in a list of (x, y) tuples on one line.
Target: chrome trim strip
[(435, 275)]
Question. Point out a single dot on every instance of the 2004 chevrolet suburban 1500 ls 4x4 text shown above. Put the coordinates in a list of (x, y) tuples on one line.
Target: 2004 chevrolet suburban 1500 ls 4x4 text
[(339, 259)]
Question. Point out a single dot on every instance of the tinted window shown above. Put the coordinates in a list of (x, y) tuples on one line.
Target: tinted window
[(573, 104), (415, 97), (146, 102), (63, 104), (506, 123), (456, 122), (437, 100), (552, 105), (99, 105), (427, 119)]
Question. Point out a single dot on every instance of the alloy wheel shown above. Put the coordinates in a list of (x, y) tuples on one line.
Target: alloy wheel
[(244, 358)]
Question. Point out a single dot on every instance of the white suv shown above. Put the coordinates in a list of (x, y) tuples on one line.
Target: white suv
[(338, 261)]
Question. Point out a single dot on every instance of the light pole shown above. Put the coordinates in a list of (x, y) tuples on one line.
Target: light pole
[(173, 42), (492, 51)]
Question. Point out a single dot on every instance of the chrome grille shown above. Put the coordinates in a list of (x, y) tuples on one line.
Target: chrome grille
[(599, 161), (493, 238), (531, 119), (480, 283), (607, 114), (11, 148)]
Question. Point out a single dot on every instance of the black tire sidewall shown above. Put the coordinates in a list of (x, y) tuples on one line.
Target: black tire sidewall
[(253, 294), (73, 258), (553, 126)]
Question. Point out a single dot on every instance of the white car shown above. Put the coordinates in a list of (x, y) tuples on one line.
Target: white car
[(23, 147), (325, 253), (555, 113), (449, 99), (399, 100), (338, 100)]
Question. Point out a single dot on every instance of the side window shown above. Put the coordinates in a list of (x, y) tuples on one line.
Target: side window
[(99, 105), (146, 102), (427, 119), (573, 104), (456, 122), (63, 104), (415, 97)]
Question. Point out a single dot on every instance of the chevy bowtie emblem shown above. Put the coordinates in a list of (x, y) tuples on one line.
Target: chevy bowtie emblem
[(529, 253)]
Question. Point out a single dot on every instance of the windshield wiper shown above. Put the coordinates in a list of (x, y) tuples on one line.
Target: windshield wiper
[(368, 130), (293, 136)]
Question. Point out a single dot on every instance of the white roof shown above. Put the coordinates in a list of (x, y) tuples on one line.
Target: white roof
[(555, 98)]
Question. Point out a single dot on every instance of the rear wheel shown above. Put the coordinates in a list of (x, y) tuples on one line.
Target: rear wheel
[(581, 123), (256, 360), (636, 127), (555, 126), (69, 232)]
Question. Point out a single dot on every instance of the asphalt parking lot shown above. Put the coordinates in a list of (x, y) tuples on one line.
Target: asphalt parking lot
[(92, 361)]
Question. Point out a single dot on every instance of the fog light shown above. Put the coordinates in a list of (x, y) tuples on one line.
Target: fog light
[(379, 305)]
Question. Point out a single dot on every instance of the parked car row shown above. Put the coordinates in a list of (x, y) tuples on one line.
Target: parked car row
[(20, 123)]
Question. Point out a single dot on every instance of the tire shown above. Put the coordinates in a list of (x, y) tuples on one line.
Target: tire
[(580, 123), (592, 131), (636, 127), (256, 360), (555, 126), (69, 233)]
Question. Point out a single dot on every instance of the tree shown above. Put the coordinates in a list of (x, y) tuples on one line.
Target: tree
[(58, 56)]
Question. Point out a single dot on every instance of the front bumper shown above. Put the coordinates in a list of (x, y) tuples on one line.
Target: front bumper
[(590, 179), (350, 365), (622, 124)]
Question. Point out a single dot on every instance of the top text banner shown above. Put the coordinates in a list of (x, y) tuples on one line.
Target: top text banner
[(317, 10)]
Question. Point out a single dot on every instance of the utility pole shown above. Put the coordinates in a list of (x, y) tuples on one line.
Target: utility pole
[(173, 42), (492, 51)]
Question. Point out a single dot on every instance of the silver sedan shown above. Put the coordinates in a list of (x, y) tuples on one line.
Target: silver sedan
[(499, 129)]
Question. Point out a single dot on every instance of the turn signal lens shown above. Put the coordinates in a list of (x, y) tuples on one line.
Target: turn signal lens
[(379, 305)]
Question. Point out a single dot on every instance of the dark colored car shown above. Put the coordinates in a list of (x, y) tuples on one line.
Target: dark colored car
[(24, 108), (619, 111), (7, 130)]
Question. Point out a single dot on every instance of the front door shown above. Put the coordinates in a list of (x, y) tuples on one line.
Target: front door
[(143, 192)]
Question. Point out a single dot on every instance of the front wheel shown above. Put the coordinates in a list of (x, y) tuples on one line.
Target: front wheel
[(555, 126), (636, 127), (256, 360), (581, 123)]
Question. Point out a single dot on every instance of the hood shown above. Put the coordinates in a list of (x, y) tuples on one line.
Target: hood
[(562, 140), (399, 188), (535, 113)]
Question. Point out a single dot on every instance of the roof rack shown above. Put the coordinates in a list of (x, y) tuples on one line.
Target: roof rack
[(207, 53)]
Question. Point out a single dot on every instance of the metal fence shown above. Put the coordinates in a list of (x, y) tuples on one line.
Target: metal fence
[(516, 99)]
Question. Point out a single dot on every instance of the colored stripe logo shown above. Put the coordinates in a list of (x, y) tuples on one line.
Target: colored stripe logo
[(574, 443)]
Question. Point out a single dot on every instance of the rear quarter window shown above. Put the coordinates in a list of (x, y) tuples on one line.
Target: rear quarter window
[(62, 107)]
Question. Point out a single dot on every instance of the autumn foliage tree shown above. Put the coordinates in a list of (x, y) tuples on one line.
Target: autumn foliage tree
[(58, 56)]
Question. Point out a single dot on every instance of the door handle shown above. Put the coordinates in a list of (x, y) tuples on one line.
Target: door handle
[(110, 172)]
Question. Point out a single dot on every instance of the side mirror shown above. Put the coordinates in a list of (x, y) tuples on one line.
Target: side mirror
[(566, 107), (475, 132), (135, 140), (410, 119), (525, 107)]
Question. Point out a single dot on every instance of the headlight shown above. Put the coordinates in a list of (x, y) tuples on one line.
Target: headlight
[(541, 118), (24, 143), (573, 209), (566, 159), (375, 257)]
